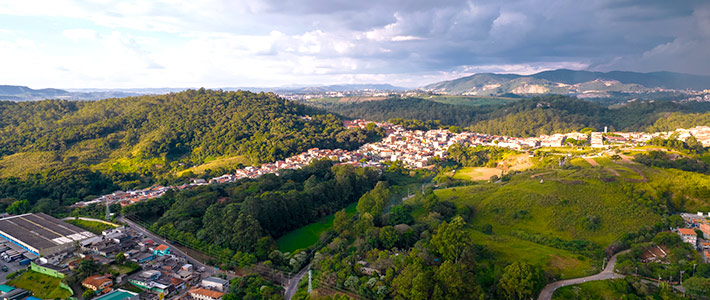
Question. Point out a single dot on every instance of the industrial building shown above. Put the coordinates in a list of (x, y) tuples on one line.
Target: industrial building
[(41, 234)]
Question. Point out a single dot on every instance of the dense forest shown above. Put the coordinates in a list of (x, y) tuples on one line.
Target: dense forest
[(248, 215), (534, 116)]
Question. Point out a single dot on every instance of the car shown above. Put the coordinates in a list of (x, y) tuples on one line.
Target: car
[(4, 268)]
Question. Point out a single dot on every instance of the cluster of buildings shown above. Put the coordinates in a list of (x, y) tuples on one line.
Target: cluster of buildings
[(55, 248), (689, 235), (414, 148)]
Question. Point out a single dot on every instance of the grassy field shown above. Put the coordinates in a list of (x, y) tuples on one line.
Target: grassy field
[(92, 226), (224, 162), (560, 207), (602, 290), (308, 235), (476, 173), (42, 286), (471, 100), (554, 261)]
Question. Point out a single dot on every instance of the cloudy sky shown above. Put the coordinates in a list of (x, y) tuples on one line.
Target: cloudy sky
[(214, 43)]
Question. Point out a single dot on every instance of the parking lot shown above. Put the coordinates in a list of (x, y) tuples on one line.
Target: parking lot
[(14, 265)]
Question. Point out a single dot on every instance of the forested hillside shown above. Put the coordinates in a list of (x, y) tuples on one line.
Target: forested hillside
[(534, 116), (248, 215), (128, 142)]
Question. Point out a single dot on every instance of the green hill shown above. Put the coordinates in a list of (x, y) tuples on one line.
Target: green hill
[(129, 142), (563, 219)]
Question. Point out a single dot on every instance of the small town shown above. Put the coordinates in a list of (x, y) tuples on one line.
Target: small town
[(137, 266), (414, 148)]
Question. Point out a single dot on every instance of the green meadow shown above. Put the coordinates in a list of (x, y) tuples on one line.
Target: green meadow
[(308, 235)]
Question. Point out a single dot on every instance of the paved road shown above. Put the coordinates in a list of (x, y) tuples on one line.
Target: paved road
[(173, 249), (292, 287), (608, 273)]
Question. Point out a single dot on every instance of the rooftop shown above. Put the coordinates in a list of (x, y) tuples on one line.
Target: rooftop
[(118, 294), (42, 231), (206, 292), (687, 231)]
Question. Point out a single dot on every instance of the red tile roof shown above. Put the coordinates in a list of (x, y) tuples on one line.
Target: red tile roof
[(206, 292), (687, 231), (162, 248)]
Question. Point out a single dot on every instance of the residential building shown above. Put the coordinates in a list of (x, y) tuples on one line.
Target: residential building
[(205, 294), (215, 283), (97, 283), (689, 236), (161, 250)]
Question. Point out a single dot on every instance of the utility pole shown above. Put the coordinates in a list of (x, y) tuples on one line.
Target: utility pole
[(108, 212), (681, 277), (310, 285)]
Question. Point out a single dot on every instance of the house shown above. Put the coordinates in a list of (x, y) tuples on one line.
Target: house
[(205, 294), (161, 250), (215, 283), (688, 236), (97, 283), (143, 257), (705, 228)]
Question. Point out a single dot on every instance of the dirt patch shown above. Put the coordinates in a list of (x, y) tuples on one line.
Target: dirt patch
[(591, 161), (562, 263), (515, 163)]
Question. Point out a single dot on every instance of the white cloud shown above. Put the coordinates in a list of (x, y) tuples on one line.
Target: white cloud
[(79, 34)]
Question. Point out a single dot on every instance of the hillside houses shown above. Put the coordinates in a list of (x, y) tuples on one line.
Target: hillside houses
[(414, 148)]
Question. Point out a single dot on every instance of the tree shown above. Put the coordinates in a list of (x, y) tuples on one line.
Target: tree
[(451, 241), (697, 286), (341, 221), (120, 258), (19, 207), (520, 281), (88, 294), (374, 201), (456, 282), (247, 232)]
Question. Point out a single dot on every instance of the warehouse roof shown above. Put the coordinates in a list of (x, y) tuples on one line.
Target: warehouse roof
[(42, 231)]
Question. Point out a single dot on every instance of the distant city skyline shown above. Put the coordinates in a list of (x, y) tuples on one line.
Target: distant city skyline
[(267, 43)]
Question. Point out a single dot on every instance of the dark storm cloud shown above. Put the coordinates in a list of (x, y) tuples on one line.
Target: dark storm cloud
[(441, 35)]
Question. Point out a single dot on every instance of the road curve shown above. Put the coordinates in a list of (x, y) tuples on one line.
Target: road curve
[(292, 287), (608, 273)]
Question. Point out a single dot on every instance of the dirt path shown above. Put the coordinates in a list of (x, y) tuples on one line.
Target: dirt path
[(614, 171), (591, 161)]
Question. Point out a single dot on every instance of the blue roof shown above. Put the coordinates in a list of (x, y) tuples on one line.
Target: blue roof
[(32, 298), (6, 288)]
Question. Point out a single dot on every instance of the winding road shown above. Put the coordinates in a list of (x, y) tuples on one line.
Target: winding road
[(292, 287), (608, 273)]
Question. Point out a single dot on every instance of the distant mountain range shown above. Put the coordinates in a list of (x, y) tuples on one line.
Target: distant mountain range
[(563, 81), (23, 93)]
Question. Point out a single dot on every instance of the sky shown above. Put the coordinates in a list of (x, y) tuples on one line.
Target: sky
[(269, 43)]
